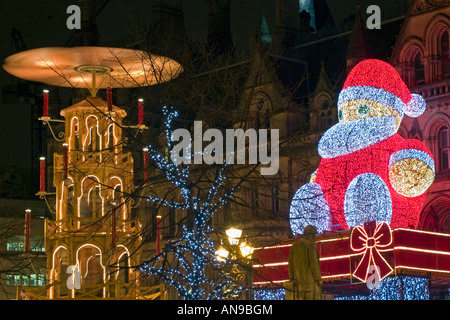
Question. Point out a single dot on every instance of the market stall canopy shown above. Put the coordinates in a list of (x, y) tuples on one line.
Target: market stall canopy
[(92, 67)]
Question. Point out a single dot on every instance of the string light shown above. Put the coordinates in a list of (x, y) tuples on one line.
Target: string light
[(368, 172), (194, 252), (347, 137), (396, 288), (367, 199), (309, 207), (411, 172), (270, 294)]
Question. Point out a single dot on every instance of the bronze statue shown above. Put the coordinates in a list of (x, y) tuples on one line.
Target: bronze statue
[(304, 268)]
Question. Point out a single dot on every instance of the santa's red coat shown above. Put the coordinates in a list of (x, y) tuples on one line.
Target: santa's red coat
[(335, 174)]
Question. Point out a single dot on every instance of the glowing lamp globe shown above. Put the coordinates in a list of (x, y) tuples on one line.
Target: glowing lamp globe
[(222, 254), (234, 235), (246, 250)]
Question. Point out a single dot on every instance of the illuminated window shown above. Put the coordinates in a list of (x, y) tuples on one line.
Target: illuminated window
[(26, 279), (75, 135), (94, 201), (92, 142), (70, 199), (91, 201), (444, 148), (110, 139), (17, 243)]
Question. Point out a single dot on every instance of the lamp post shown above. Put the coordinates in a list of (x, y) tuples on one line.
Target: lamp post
[(235, 252)]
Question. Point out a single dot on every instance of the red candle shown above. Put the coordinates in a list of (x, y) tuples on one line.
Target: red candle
[(27, 230), (42, 174), (109, 98), (45, 111), (141, 111), (158, 235), (145, 163), (66, 160)]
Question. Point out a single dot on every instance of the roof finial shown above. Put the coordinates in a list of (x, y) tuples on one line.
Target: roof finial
[(265, 35)]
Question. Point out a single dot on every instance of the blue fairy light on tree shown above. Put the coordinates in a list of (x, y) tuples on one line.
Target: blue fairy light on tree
[(188, 262)]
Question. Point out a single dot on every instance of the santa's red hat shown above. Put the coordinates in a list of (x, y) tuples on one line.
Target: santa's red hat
[(376, 80)]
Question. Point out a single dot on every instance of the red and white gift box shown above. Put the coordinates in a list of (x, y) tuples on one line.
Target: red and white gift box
[(349, 254)]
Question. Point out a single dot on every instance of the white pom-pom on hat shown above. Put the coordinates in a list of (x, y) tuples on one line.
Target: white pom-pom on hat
[(416, 106)]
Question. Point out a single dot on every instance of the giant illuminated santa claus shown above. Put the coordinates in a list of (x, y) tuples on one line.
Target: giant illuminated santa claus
[(368, 172)]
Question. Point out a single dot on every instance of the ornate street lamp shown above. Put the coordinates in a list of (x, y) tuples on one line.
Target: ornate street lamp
[(237, 252)]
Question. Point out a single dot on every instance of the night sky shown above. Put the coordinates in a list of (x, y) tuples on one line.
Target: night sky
[(43, 23)]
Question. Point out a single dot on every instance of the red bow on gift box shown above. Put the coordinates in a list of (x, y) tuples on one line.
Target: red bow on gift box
[(369, 239)]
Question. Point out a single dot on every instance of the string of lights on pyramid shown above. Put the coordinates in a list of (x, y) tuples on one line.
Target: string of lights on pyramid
[(95, 68), (91, 68)]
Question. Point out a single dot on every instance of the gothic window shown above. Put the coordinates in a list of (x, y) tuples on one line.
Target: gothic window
[(254, 198), (419, 71), (445, 55), (260, 113), (275, 197), (444, 149), (325, 115)]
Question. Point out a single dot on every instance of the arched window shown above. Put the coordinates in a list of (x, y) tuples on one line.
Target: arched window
[(444, 148), (110, 137), (419, 71), (91, 201), (325, 115), (117, 198), (93, 140), (445, 55), (260, 112), (59, 271), (436, 216), (74, 141), (71, 200), (89, 259)]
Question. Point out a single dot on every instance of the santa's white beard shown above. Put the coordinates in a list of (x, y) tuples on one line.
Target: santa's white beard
[(350, 136)]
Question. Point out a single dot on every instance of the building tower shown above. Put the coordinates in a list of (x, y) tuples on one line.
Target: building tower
[(287, 22), (219, 33), (358, 48), (93, 236), (167, 33)]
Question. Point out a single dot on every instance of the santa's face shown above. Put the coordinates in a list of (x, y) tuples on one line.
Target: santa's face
[(362, 108), (361, 123)]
